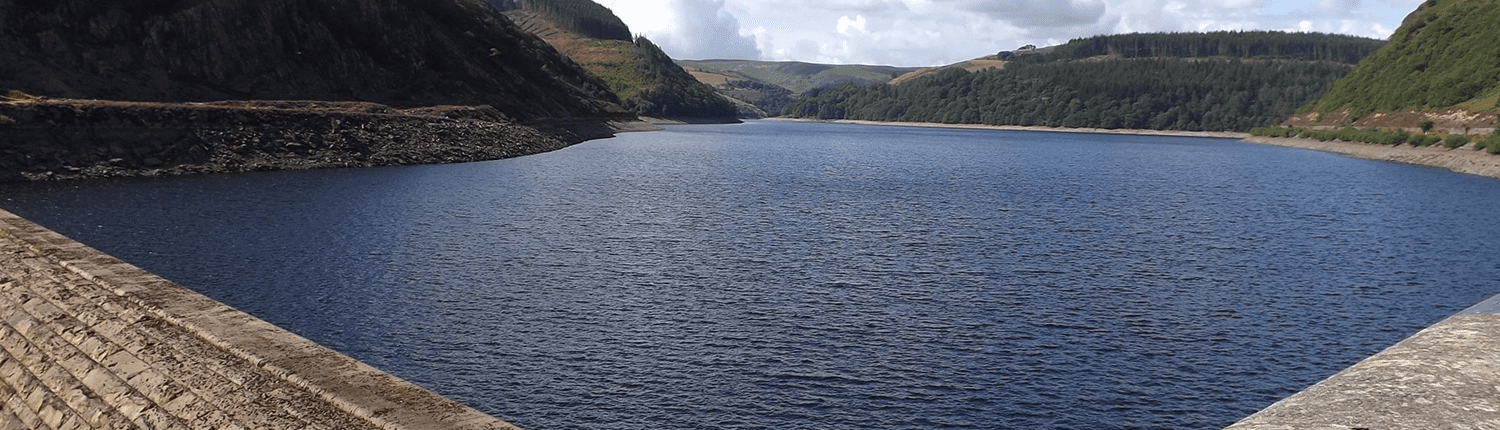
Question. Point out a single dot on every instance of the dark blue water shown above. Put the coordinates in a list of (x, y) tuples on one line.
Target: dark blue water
[(813, 276)]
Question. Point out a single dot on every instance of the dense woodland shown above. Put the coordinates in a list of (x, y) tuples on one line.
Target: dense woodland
[(1157, 94), (1235, 44), (1160, 93), (583, 17), (1445, 56), (676, 93)]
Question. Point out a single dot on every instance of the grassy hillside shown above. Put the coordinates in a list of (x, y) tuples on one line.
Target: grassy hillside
[(1245, 80), (646, 81), (1445, 55)]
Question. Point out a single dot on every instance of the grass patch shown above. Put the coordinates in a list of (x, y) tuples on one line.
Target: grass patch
[(5, 120), (1490, 100)]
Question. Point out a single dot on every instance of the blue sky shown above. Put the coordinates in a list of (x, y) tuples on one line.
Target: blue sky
[(935, 32)]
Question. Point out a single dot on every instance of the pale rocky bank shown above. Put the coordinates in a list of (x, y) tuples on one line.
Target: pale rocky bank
[(1461, 160)]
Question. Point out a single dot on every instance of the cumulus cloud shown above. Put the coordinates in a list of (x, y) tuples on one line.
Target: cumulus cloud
[(702, 29), (688, 29)]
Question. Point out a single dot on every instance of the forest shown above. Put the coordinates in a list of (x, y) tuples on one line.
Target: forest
[(1235, 44), (1159, 92), (1156, 94)]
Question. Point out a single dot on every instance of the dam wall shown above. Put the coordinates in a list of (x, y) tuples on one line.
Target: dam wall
[(89, 341), (1446, 376)]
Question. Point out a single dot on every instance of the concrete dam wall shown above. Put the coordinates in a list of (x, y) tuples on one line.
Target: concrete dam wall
[(89, 341)]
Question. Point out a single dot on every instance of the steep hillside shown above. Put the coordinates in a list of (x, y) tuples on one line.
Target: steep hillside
[(1442, 63), (642, 76), (1223, 81), (581, 17), (402, 53)]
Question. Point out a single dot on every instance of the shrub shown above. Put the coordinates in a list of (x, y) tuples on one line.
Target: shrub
[(1415, 140), (1427, 140), (1490, 144), (1456, 140), (1398, 137), (1426, 125)]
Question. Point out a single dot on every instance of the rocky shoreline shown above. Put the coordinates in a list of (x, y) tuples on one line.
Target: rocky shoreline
[(1219, 134), (48, 139), (1462, 160)]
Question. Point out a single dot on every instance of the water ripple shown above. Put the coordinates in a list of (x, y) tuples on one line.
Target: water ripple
[(811, 276)]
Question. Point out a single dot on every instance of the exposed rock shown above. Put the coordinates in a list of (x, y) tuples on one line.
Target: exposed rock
[(62, 139)]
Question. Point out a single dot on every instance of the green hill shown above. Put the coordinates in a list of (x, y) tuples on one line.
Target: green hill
[(1224, 81), (1444, 56), (644, 78)]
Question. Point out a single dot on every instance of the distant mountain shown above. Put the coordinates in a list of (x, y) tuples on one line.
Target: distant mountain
[(1441, 65), (975, 65), (403, 53), (770, 86), (642, 76), (1224, 81), (798, 77)]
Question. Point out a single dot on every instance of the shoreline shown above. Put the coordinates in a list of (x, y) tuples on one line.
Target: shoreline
[(1085, 130), (55, 139), (1461, 160)]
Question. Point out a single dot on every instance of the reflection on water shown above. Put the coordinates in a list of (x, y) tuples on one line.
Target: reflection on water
[(812, 276)]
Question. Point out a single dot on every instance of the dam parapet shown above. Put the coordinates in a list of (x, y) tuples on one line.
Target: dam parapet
[(1446, 376)]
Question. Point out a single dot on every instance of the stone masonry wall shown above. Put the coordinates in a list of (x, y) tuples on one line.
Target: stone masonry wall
[(88, 341)]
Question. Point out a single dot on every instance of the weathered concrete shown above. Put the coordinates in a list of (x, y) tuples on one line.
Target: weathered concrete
[(88, 341), (1444, 377)]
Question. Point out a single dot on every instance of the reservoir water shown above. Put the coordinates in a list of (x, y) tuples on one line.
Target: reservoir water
[(817, 276)]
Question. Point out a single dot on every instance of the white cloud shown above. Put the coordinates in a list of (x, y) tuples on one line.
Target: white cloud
[(855, 26), (934, 32), (688, 29)]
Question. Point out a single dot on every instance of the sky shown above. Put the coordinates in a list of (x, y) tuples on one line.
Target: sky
[(939, 32)]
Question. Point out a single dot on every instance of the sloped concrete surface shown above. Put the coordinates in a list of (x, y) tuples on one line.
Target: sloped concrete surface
[(1444, 377), (88, 341)]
